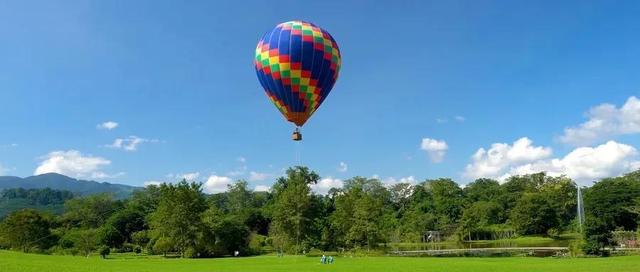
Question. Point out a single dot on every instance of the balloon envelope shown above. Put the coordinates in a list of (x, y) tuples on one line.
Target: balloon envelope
[(297, 64)]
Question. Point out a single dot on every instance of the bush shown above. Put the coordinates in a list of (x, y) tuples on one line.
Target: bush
[(576, 248), (256, 243), (191, 253), (137, 249), (104, 251), (595, 247), (553, 233), (162, 245), (140, 238)]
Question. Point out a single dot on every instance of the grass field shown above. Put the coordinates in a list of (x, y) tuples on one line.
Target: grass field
[(14, 261)]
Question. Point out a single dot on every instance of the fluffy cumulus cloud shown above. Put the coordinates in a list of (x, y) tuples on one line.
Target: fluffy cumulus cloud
[(343, 167), (257, 176), (74, 164), (635, 165), (501, 156), (189, 176), (391, 180), (436, 149), (605, 121), (109, 125), (583, 164), (261, 188), (130, 143), (216, 184), (324, 185)]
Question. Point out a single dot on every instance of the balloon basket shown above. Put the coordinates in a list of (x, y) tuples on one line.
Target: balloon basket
[(296, 136)]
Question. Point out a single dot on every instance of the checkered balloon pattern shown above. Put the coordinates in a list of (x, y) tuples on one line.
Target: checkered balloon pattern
[(297, 64)]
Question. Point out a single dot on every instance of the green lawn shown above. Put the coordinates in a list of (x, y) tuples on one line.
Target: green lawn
[(13, 261)]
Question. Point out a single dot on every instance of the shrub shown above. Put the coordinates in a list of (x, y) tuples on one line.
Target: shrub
[(553, 233), (104, 251), (162, 245), (576, 248), (137, 249), (595, 247)]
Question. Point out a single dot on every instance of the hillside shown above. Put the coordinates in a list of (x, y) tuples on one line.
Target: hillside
[(47, 200), (62, 182)]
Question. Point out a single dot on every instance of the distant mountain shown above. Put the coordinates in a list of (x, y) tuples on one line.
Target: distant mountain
[(62, 182)]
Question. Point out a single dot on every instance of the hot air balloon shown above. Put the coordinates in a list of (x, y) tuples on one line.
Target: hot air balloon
[(297, 64)]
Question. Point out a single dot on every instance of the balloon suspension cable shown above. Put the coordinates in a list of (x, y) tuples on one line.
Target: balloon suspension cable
[(297, 137), (299, 153)]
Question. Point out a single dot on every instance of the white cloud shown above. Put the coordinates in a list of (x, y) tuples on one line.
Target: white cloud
[(109, 125), (324, 185), (502, 156), (261, 188), (242, 159), (441, 120), (216, 184), (460, 118), (130, 143), (635, 165), (190, 176), (343, 167), (72, 163), (256, 176), (605, 121), (391, 180), (435, 148), (583, 164), (152, 182)]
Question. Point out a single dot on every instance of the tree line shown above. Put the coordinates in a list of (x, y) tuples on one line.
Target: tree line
[(364, 214)]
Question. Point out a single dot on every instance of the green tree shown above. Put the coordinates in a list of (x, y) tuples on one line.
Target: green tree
[(26, 229), (534, 214), (447, 200), (359, 212), (478, 217), (104, 251), (231, 235), (119, 227), (90, 212), (163, 245), (85, 240), (562, 194), (291, 213), (179, 215), (483, 190), (609, 205)]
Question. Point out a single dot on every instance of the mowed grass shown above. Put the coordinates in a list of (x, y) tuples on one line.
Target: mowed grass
[(14, 261)]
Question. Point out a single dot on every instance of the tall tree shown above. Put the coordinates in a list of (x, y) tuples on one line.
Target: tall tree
[(534, 214), (179, 215), (359, 212), (447, 200), (291, 213), (482, 190), (91, 211)]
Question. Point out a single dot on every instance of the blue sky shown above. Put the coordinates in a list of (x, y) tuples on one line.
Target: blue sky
[(178, 80)]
